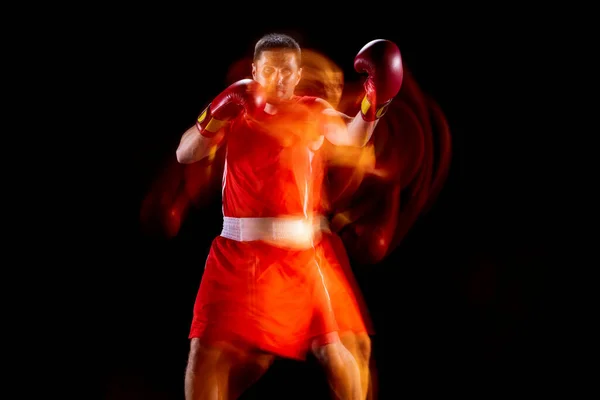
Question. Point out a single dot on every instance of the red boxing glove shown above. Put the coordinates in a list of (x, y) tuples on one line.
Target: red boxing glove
[(382, 61), (244, 96)]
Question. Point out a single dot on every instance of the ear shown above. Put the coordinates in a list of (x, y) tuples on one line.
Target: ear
[(298, 76), (254, 71)]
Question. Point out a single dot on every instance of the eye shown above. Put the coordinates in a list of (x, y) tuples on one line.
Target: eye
[(268, 70)]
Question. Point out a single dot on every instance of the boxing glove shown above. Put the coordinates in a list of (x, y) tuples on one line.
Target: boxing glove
[(382, 61), (244, 96)]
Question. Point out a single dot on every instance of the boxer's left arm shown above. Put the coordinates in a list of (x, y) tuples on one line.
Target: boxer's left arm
[(381, 60), (343, 130)]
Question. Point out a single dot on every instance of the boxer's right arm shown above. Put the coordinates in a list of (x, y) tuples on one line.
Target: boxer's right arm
[(194, 146), (244, 96)]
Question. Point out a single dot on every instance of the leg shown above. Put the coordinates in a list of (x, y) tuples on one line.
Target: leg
[(350, 310), (359, 345), (222, 373), (341, 369)]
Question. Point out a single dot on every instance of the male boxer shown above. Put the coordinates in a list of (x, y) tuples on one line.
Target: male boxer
[(271, 287)]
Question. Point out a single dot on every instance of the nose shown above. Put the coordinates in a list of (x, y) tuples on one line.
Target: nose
[(279, 77), (276, 78)]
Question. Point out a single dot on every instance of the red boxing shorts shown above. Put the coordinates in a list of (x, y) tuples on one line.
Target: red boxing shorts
[(262, 297), (349, 307)]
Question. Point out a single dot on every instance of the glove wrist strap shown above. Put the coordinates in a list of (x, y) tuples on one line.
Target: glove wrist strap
[(372, 112), (208, 125)]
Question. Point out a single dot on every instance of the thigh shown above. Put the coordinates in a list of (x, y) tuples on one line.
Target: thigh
[(258, 297), (224, 369), (347, 301)]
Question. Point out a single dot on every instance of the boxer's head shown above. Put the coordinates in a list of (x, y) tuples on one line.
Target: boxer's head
[(277, 66)]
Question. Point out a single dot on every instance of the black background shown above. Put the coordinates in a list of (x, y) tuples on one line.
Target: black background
[(463, 307)]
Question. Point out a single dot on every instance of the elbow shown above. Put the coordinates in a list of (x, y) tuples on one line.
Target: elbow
[(360, 141), (182, 157)]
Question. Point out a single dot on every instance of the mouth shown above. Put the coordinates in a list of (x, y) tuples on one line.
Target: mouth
[(277, 92)]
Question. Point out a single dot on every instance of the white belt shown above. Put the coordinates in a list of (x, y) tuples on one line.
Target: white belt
[(273, 229)]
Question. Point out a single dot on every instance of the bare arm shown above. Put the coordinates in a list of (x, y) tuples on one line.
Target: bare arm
[(207, 134), (382, 61), (343, 130), (194, 147)]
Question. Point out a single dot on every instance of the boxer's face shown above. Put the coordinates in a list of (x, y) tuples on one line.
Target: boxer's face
[(278, 72)]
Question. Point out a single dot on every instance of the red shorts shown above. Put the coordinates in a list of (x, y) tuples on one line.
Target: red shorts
[(349, 306), (272, 299)]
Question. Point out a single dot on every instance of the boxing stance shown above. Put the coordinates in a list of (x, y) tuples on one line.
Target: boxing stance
[(269, 287)]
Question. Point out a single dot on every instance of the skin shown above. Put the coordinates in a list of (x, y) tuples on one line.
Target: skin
[(212, 371)]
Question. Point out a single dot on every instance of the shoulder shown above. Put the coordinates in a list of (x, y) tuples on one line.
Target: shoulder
[(316, 103)]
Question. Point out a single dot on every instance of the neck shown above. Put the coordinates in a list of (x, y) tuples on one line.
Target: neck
[(273, 108)]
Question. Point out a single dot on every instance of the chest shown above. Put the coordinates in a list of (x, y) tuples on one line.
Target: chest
[(287, 143)]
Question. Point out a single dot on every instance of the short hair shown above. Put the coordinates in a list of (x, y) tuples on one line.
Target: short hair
[(277, 41)]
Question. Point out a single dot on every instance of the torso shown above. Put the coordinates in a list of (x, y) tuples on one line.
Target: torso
[(274, 166)]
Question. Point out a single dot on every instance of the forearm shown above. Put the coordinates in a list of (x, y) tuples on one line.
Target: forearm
[(193, 146), (343, 130), (202, 139), (359, 130)]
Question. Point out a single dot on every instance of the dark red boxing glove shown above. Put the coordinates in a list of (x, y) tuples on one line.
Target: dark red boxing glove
[(382, 61), (244, 96)]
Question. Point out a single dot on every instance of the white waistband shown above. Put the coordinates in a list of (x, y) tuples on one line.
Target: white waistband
[(272, 229)]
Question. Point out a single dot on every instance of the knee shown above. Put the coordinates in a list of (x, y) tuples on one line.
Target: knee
[(334, 356), (363, 343)]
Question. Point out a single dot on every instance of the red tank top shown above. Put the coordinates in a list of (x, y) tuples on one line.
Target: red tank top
[(273, 164)]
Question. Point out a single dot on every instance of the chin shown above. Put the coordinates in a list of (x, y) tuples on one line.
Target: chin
[(276, 99)]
